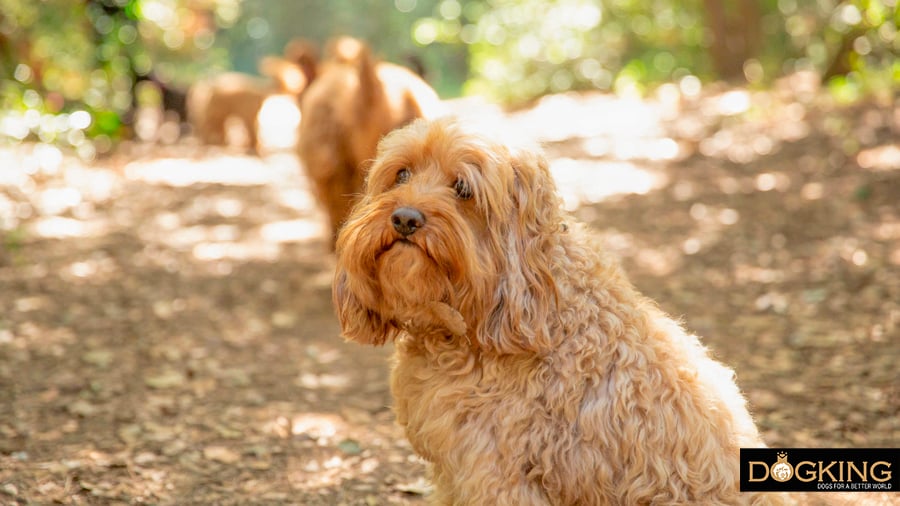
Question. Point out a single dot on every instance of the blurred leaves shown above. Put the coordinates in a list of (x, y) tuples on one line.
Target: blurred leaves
[(520, 50), (61, 59)]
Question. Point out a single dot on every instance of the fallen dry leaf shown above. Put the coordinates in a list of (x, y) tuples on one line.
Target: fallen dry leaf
[(221, 454), (168, 379)]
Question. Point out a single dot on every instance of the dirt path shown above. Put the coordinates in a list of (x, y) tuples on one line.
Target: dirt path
[(167, 337)]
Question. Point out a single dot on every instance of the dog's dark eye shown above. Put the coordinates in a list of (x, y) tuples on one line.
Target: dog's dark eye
[(402, 176), (462, 189)]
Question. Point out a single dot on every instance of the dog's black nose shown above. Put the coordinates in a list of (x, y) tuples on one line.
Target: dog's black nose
[(407, 220)]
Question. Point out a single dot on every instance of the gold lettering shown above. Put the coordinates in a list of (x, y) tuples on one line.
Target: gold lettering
[(884, 475), (811, 473), (763, 465), (826, 469), (851, 466)]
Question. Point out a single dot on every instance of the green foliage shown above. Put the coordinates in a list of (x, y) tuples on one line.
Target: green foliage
[(13, 240), (266, 25), (60, 58), (12, 248), (521, 49)]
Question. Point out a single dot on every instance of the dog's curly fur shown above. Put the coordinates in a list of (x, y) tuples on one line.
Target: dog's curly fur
[(528, 370), (354, 100)]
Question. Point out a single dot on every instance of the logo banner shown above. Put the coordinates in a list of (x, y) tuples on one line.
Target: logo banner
[(820, 469)]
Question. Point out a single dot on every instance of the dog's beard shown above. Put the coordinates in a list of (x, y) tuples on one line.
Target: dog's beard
[(421, 284), (409, 277), (417, 292)]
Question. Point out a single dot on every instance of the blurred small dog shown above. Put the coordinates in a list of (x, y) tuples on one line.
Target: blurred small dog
[(528, 370), (213, 101), (353, 101)]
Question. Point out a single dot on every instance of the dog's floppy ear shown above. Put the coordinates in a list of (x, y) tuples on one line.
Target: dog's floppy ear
[(525, 299), (355, 292), (359, 321)]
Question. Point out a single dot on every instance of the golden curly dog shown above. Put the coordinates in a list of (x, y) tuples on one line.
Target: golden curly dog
[(352, 102), (528, 370)]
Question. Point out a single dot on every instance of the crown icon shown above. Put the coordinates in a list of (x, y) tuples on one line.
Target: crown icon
[(781, 469)]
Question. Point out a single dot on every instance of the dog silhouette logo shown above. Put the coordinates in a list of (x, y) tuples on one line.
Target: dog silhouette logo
[(781, 470)]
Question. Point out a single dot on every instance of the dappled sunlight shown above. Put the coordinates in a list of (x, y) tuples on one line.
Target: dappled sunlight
[(321, 427), (599, 145), (709, 225), (186, 237), (98, 269), (880, 158), (279, 118), (329, 472), (293, 230), (57, 227), (588, 182), (888, 230), (772, 181), (335, 382), (753, 124), (39, 337), (649, 149), (222, 169), (54, 201), (733, 102), (54, 193), (567, 116), (94, 184), (658, 261), (216, 242), (228, 241), (242, 251), (297, 199), (279, 173), (745, 273), (44, 159), (334, 449)]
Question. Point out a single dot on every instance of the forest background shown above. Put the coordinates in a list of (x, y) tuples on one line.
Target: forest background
[(58, 57)]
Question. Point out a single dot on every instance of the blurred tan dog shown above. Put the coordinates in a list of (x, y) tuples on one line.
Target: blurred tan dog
[(212, 102), (527, 370), (353, 101)]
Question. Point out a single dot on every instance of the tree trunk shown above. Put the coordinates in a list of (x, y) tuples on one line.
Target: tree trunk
[(736, 36)]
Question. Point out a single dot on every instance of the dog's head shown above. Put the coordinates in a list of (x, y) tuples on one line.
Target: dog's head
[(452, 217)]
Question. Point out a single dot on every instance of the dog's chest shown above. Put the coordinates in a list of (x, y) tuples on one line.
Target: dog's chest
[(449, 401)]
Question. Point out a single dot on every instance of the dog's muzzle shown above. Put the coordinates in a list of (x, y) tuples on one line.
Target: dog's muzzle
[(406, 220)]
